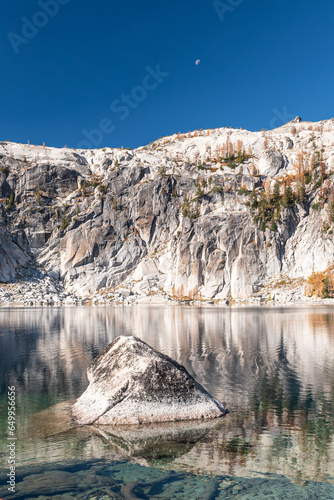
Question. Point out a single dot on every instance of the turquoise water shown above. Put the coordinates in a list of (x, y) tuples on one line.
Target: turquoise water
[(272, 366)]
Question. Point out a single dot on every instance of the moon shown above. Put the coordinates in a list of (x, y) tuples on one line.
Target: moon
[(197, 62)]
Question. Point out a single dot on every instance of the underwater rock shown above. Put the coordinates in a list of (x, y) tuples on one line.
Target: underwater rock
[(136, 442), (49, 482), (151, 441), (132, 383)]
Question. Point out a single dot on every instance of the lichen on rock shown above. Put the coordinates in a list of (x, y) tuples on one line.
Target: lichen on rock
[(132, 383)]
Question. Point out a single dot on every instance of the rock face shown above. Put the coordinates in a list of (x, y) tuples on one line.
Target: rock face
[(131, 383), (12, 257), (173, 219)]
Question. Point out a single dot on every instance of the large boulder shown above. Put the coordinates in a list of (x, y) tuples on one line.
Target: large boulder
[(270, 163), (132, 383)]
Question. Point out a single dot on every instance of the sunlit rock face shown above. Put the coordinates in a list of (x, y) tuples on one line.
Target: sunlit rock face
[(11, 257), (171, 219), (131, 383)]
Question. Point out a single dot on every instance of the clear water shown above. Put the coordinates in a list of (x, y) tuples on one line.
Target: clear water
[(272, 366)]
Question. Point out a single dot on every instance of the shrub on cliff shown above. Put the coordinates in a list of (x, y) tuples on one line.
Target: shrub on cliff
[(321, 284)]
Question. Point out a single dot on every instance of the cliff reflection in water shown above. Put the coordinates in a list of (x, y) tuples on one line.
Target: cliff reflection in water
[(273, 367)]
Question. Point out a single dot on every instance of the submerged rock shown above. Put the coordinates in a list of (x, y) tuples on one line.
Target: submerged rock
[(96, 442), (132, 383)]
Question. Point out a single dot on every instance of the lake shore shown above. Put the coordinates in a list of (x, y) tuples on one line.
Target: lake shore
[(46, 292)]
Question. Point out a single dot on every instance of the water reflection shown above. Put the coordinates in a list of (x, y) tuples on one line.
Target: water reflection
[(273, 367)]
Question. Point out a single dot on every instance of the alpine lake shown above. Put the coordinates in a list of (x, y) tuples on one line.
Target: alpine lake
[(272, 366)]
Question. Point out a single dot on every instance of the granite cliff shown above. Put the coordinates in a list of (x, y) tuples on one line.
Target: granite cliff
[(208, 215)]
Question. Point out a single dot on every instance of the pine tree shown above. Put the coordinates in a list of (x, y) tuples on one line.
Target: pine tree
[(185, 207), (322, 169), (228, 148), (38, 195), (253, 199), (276, 192), (267, 189), (328, 286), (273, 226), (331, 211), (288, 197), (263, 225), (240, 146)]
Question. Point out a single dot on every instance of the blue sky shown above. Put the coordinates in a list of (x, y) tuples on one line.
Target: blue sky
[(67, 65)]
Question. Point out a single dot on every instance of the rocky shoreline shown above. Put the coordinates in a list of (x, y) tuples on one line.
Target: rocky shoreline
[(38, 292)]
